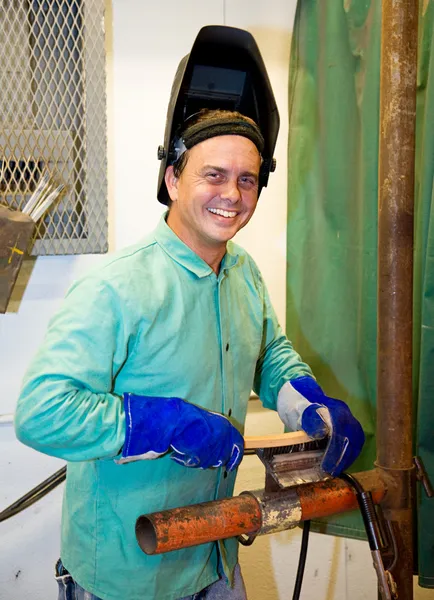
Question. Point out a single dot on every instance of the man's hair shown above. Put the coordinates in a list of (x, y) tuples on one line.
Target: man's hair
[(202, 117)]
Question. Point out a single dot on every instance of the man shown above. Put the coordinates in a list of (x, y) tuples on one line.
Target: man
[(143, 379), (167, 330)]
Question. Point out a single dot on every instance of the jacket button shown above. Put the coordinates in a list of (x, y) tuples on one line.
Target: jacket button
[(227, 347), (230, 412)]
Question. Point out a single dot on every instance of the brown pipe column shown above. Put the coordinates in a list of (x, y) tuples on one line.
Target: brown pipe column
[(395, 272)]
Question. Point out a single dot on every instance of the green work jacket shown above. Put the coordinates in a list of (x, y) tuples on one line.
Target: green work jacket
[(156, 320)]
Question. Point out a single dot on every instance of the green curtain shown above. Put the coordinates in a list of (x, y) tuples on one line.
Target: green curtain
[(332, 224)]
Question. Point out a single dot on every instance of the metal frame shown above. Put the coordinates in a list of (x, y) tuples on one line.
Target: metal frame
[(53, 118)]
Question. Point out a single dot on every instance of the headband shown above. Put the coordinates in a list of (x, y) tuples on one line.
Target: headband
[(199, 132)]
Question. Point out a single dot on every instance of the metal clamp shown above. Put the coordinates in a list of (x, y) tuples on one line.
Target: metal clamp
[(422, 476), (247, 540)]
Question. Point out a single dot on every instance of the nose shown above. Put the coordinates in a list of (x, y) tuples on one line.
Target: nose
[(231, 192)]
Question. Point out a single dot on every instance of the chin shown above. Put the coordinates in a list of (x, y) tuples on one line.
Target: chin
[(226, 237), (228, 231)]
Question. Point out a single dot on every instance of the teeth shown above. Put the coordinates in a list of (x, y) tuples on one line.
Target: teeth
[(224, 213)]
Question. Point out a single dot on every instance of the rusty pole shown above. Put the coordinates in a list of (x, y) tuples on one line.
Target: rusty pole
[(395, 273)]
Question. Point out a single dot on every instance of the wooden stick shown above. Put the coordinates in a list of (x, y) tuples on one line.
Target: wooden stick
[(275, 440)]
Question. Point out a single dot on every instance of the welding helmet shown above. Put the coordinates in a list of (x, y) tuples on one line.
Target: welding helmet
[(224, 70)]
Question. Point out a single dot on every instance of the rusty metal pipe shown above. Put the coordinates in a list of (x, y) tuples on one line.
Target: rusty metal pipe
[(197, 524), (395, 233), (395, 272), (257, 513)]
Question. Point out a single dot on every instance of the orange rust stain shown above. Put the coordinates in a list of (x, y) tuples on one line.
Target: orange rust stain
[(336, 496), (199, 524)]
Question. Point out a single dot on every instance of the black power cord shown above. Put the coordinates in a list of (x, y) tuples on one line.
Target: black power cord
[(34, 495), (301, 560), (369, 514)]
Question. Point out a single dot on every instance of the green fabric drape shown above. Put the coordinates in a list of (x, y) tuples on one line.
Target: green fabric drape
[(332, 224)]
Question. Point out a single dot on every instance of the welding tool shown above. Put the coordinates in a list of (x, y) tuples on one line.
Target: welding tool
[(291, 458), (297, 461)]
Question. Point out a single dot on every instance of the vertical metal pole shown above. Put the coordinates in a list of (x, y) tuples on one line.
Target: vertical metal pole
[(395, 273)]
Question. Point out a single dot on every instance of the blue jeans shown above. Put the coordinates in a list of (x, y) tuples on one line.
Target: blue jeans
[(70, 590)]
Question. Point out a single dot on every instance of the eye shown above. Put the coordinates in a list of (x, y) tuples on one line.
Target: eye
[(214, 176), (248, 182)]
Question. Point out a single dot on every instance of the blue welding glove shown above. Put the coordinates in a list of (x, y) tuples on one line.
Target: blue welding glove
[(196, 437), (302, 404)]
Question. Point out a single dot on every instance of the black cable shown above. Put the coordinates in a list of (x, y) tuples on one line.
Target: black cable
[(301, 560), (353, 481), (306, 528), (370, 518), (34, 494)]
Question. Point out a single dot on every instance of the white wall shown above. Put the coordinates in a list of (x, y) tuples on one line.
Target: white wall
[(145, 43)]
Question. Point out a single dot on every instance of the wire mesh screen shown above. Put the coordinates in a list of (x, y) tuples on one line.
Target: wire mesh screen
[(53, 117)]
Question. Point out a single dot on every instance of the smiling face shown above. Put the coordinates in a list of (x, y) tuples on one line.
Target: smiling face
[(215, 195)]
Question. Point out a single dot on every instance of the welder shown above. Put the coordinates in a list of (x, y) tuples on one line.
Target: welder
[(143, 380)]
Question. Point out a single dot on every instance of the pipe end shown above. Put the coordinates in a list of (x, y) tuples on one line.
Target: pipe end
[(146, 535)]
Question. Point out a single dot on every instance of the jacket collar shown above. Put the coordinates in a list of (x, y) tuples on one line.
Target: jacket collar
[(185, 256)]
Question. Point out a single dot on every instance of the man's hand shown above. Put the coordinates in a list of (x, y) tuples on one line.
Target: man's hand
[(197, 437), (303, 405)]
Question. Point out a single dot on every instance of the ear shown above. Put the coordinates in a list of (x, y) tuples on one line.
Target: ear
[(171, 183)]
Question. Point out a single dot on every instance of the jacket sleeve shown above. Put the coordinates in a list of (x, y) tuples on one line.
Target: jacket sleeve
[(67, 407), (278, 362)]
